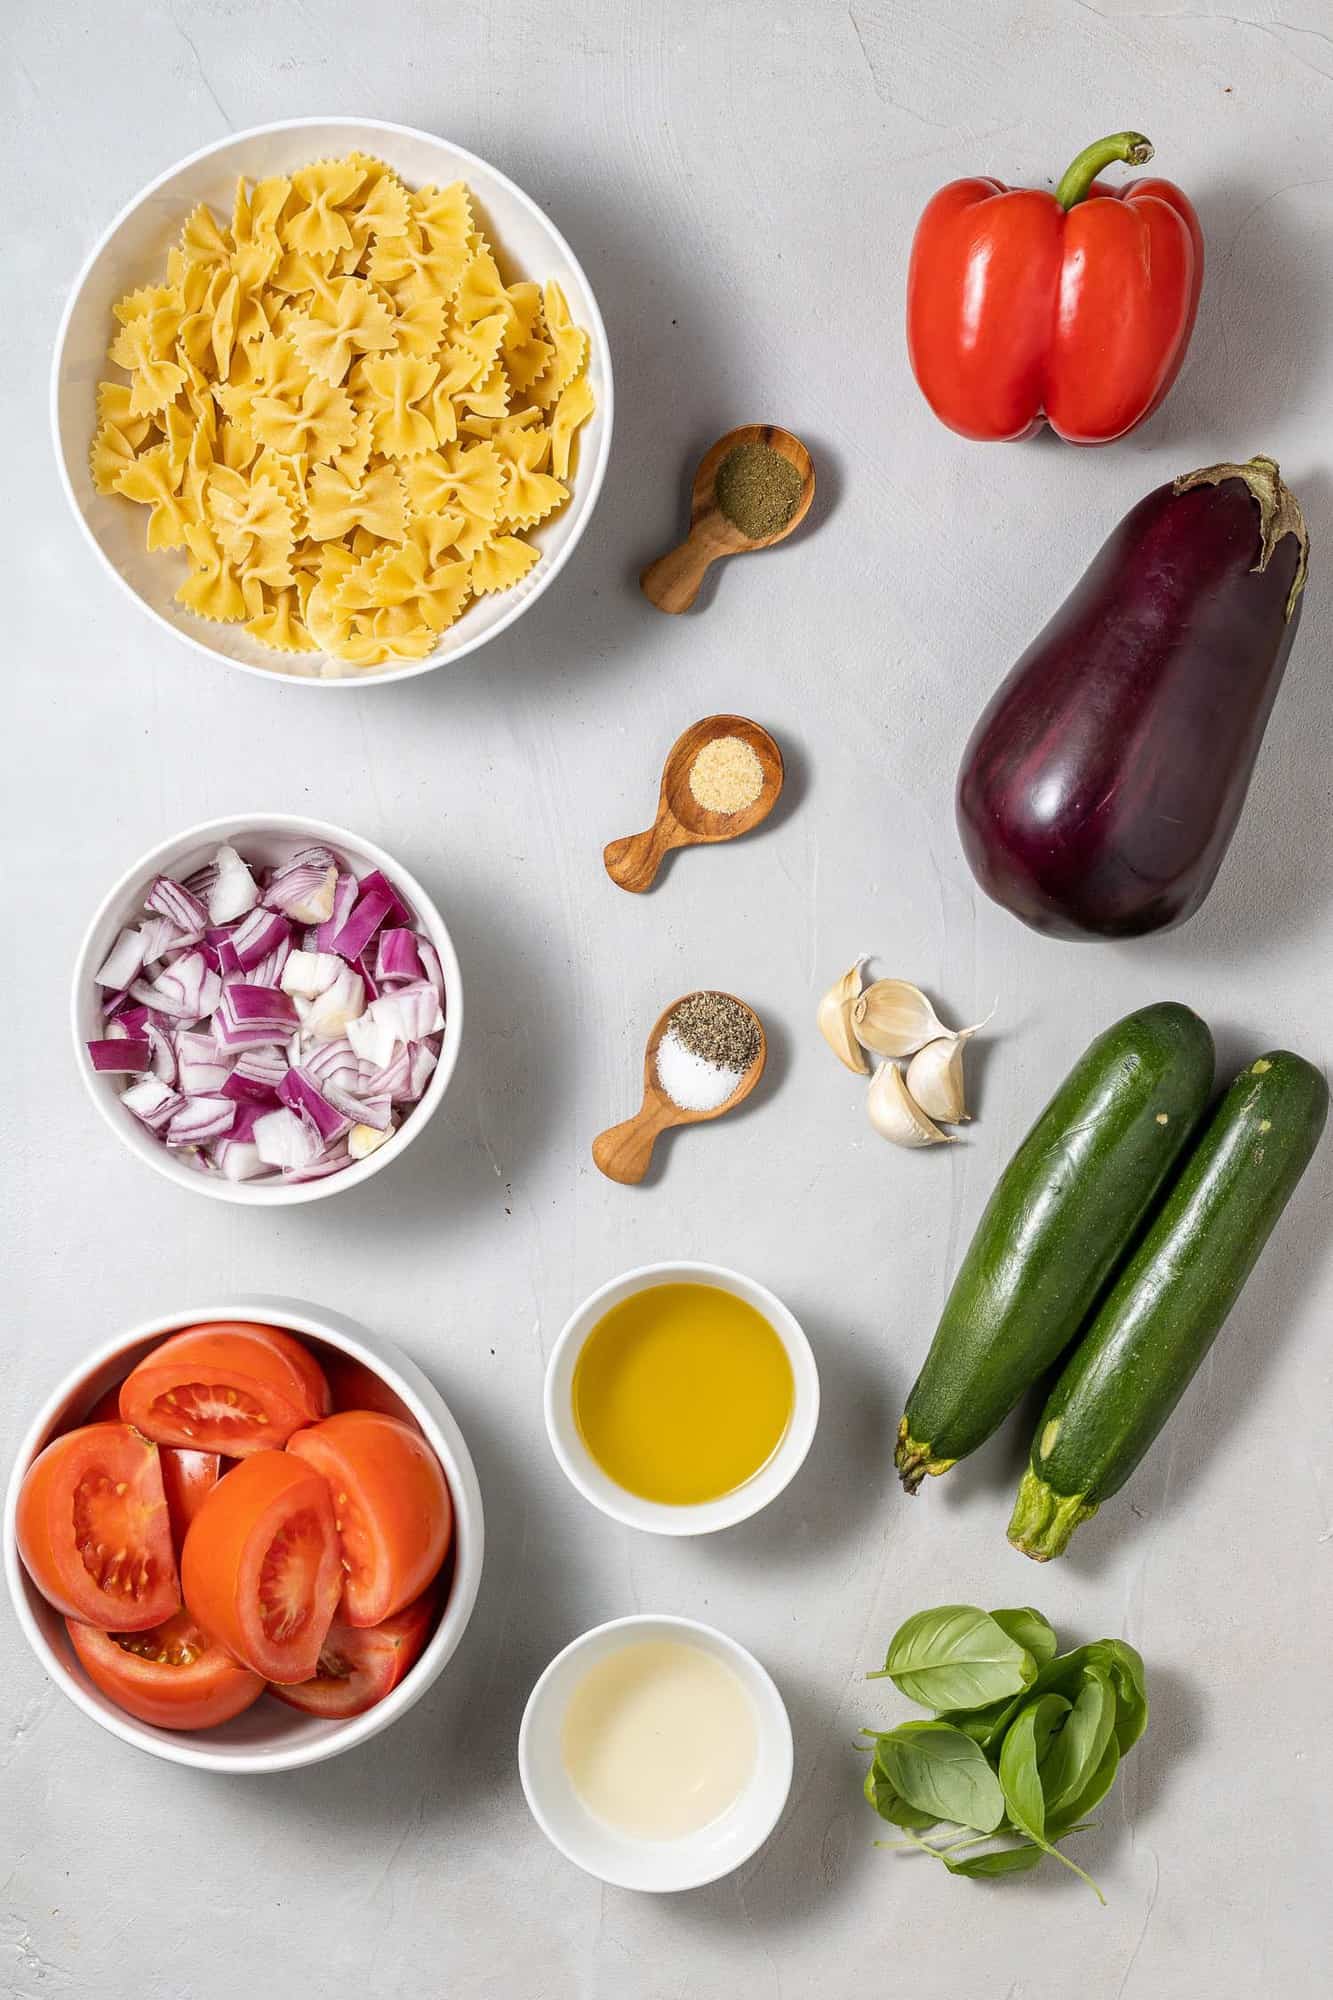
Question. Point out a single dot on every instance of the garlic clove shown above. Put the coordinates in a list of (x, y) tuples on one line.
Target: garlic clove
[(894, 1018), (935, 1079), (894, 1113), (835, 1020)]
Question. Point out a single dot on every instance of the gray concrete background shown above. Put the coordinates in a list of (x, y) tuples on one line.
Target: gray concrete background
[(741, 182)]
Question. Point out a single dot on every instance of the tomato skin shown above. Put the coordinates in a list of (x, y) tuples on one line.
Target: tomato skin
[(106, 1410), (197, 1694), (229, 1386), (359, 1664), (393, 1508), (188, 1477), (353, 1386), (266, 1527), (92, 1500)]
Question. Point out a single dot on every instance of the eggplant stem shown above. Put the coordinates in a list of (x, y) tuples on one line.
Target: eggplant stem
[(1079, 175), (1279, 511)]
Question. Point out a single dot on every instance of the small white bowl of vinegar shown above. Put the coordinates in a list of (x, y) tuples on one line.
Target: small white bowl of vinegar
[(681, 1398)]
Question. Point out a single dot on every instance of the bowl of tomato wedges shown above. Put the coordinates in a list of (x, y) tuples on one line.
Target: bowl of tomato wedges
[(244, 1537)]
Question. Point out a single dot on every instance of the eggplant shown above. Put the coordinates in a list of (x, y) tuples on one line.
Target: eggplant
[(1101, 787)]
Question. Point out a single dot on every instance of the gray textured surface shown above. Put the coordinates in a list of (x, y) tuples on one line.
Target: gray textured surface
[(741, 182)]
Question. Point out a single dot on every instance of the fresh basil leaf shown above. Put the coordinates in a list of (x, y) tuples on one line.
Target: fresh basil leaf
[(982, 1724), (1020, 1778), (1126, 1669), (1077, 1750), (957, 1656), (890, 1804), (1027, 1628), (1001, 1861), (1062, 1817), (942, 1772)]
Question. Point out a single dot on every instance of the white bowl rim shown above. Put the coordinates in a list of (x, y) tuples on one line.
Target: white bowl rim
[(280, 1194), (440, 1428), (704, 1517), (775, 1720), (590, 478)]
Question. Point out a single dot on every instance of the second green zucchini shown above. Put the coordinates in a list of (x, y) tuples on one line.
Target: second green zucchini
[(1061, 1217)]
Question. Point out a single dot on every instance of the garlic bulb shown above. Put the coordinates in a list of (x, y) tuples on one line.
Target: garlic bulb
[(935, 1078), (895, 1115), (895, 1018), (835, 1020)]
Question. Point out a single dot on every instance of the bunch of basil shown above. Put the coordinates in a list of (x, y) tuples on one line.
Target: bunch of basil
[(1025, 1740)]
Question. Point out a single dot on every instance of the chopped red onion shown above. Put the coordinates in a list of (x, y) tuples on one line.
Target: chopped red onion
[(397, 957), (247, 1015), (200, 1119), (344, 900), (122, 1053), (187, 988), (152, 1102), (298, 1092), (202, 1067), (275, 1020), (171, 900)]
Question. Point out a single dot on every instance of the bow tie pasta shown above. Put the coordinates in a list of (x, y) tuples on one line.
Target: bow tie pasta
[(340, 416)]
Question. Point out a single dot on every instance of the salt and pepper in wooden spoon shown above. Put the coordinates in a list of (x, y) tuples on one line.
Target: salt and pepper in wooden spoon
[(721, 778), (752, 489), (704, 1056)]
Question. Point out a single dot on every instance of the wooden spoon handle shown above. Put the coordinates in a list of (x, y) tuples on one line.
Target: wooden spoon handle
[(632, 863), (624, 1152), (672, 582)]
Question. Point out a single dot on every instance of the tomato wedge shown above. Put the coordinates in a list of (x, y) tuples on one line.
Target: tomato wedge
[(93, 1530), (231, 1387), (392, 1505), (173, 1676), (261, 1568), (353, 1386), (359, 1665)]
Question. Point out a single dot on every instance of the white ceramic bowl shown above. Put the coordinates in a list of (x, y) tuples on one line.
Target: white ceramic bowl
[(132, 252), (659, 1866), (269, 1736), (704, 1519), (263, 838)]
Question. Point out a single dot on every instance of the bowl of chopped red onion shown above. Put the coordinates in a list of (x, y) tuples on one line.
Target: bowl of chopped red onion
[(267, 1009)]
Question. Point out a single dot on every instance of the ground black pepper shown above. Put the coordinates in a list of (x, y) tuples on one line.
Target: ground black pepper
[(717, 1028), (758, 489)]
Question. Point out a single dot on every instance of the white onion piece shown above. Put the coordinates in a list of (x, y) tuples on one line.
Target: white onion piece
[(239, 1160), (336, 1009), (372, 1037), (151, 1101), (202, 1067), (122, 962), (309, 973), (284, 1140), (362, 1140), (233, 890)]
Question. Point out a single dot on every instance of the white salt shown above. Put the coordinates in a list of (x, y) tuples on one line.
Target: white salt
[(690, 1081)]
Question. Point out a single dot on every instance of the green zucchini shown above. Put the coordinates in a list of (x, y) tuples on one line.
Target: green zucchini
[(1062, 1215), (1167, 1306)]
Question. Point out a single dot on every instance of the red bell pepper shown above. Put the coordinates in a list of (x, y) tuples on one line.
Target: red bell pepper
[(1073, 308)]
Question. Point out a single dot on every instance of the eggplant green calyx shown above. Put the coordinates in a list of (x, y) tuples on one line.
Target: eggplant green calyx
[(1044, 1520), (1279, 511), (1079, 175)]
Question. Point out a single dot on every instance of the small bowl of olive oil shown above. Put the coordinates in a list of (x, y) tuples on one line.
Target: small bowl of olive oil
[(681, 1398)]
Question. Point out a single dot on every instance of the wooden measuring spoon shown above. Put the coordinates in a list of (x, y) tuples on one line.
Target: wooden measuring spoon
[(681, 821), (672, 582), (623, 1152)]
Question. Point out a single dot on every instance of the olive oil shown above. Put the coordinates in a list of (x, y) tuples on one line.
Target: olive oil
[(682, 1393)]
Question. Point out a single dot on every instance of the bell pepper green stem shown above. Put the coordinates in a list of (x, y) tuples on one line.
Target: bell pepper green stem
[(1079, 175)]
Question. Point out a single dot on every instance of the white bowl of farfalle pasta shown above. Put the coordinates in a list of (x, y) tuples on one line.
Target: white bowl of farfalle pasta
[(332, 400)]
